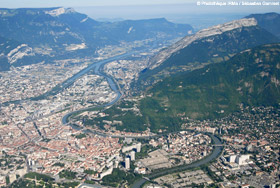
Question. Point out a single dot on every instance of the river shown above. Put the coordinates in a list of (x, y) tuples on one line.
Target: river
[(97, 66), (97, 70), (216, 152)]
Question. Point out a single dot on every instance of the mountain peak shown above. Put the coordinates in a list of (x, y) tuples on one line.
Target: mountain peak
[(59, 11)]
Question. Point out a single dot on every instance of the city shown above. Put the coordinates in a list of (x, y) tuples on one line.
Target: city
[(153, 103)]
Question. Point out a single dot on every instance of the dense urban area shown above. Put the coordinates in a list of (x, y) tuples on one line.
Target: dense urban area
[(34, 139)]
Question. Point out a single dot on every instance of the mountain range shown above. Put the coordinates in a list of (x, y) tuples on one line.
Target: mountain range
[(211, 73), (207, 75), (213, 45), (204, 75), (53, 33)]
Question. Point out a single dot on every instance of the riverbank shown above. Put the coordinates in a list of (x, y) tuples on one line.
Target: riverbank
[(97, 68), (215, 154)]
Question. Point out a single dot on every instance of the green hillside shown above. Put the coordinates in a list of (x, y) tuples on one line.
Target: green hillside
[(251, 78)]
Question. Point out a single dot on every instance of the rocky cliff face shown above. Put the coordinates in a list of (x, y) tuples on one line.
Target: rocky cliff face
[(12, 52), (215, 30), (59, 11)]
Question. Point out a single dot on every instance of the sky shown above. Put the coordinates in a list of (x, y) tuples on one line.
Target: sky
[(81, 3), (131, 3), (179, 11)]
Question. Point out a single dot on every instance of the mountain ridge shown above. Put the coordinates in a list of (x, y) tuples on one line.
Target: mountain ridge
[(62, 32), (207, 46), (269, 21), (215, 30)]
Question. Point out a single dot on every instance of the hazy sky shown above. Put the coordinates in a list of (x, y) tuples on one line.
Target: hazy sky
[(80, 3), (180, 11)]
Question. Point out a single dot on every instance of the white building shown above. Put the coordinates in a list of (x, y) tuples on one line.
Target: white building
[(240, 159), (129, 148), (243, 159), (108, 172), (132, 155), (127, 163), (138, 147), (232, 158)]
